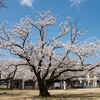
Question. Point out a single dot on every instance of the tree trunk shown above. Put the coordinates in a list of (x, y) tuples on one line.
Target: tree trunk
[(43, 90)]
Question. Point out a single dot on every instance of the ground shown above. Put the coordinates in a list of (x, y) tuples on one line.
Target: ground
[(70, 94)]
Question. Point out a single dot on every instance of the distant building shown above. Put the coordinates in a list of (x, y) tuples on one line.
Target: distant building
[(90, 81), (21, 84), (87, 81)]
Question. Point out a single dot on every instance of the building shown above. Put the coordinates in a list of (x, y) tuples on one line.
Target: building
[(87, 81), (22, 84)]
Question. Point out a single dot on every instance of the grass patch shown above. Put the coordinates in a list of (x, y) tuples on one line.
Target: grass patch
[(71, 94), (3, 88), (89, 96)]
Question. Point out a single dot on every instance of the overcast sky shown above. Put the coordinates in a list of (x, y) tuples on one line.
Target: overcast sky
[(88, 12)]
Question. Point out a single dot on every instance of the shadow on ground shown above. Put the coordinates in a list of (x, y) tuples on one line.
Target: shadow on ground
[(85, 96), (88, 96)]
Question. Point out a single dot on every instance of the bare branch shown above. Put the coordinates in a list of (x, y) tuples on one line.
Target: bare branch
[(2, 4)]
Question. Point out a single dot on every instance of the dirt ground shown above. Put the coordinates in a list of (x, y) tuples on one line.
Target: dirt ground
[(70, 94)]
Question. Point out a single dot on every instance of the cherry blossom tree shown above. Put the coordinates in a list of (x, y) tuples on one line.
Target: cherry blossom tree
[(43, 56), (96, 71), (15, 69), (7, 70)]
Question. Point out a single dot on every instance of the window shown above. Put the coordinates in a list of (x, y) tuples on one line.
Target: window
[(28, 83)]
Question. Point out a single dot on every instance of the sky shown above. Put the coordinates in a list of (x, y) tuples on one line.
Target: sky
[(88, 12)]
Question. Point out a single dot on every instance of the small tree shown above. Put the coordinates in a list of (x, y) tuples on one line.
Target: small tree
[(45, 61)]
